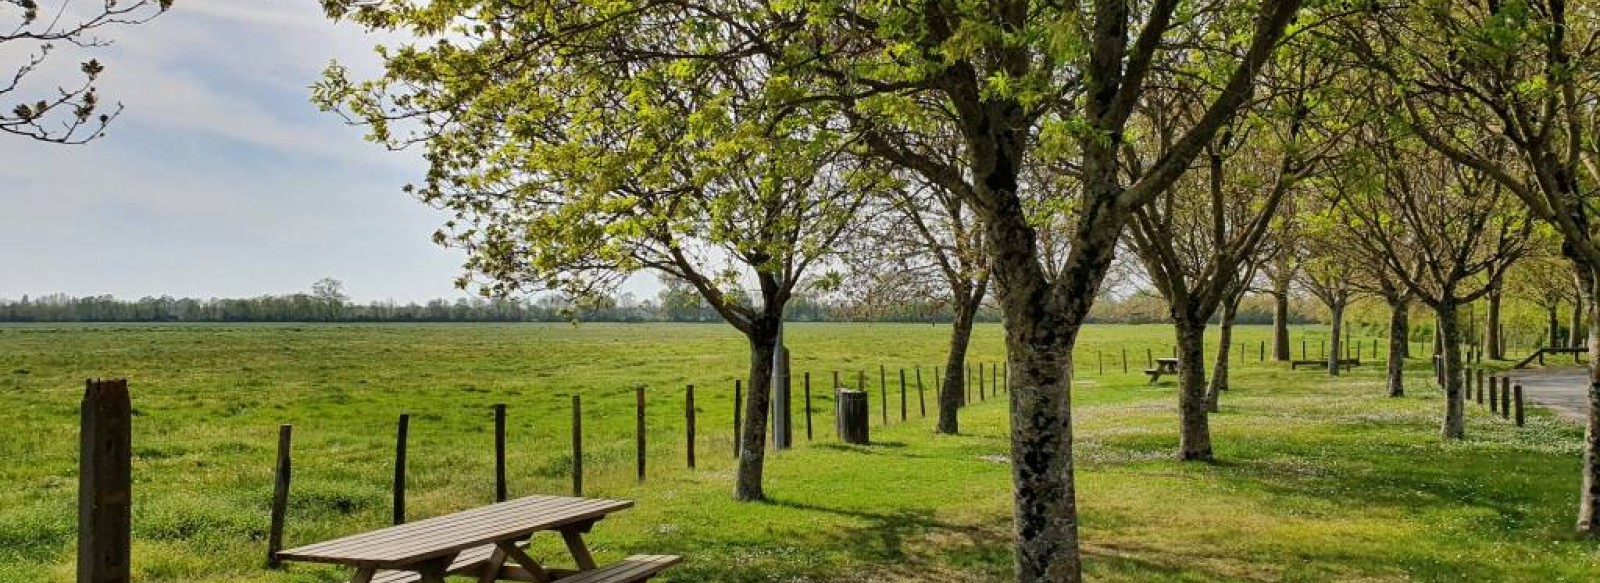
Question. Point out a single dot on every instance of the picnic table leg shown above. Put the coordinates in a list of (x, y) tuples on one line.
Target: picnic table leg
[(364, 575), (491, 567), (521, 557), (434, 571), (580, 551)]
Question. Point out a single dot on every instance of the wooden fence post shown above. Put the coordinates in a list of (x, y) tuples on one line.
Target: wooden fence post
[(500, 452), (577, 446), (1149, 358), (400, 436), (280, 498), (1516, 395), (1124, 360), (903, 415), (837, 429), (1303, 348), (967, 370), (1479, 386), (738, 399), (883, 393), (994, 379), (1100, 362), (638, 432), (1505, 398), (688, 421), (808, 404), (922, 399), (1261, 355), (1494, 394), (981, 396)]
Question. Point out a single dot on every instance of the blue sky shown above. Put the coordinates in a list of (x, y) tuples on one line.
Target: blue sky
[(220, 178)]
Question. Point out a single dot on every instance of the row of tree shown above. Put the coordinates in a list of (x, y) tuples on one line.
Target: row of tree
[(1011, 150), (1006, 151)]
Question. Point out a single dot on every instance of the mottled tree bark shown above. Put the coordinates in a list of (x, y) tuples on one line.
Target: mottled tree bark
[(1579, 332), (1337, 342), (1492, 347), (952, 389), (1589, 496), (1280, 321), (1219, 371), (1454, 424), (1553, 324), (1194, 429), (763, 337), (1399, 330)]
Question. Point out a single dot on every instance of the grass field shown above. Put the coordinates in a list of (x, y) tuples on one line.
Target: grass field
[(1319, 479)]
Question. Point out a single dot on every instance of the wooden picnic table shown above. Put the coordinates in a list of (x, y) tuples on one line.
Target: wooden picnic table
[(1164, 365), (485, 542)]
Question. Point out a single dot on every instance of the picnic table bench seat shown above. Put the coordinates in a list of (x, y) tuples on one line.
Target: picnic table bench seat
[(630, 570), (469, 561), (1323, 363)]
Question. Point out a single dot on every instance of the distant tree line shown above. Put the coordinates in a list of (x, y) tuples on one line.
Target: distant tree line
[(328, 303)]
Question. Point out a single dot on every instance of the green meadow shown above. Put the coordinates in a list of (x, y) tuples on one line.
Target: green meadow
[(1318, 478)]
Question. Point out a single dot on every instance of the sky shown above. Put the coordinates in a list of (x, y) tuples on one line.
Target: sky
[(220, 178)]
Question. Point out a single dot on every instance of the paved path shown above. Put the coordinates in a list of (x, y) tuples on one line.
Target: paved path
[(1563, 390)]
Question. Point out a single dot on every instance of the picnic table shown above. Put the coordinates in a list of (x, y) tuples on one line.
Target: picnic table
[(1164, 365), (486, 543)]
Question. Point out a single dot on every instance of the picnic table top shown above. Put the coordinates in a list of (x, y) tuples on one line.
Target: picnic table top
[(440, 536), (1172, 359)]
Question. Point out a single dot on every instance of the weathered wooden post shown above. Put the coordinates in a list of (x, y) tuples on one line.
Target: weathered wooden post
[(981, 396), (1303, 348), (1480, 386), (1149, 358), (1100, 361), (500, 452), (689, 415), (738, 400), (1124, 360), (903, 414), (853, 417), (280, 501), (401, 434), (808, 405), (967, 370), (922, 398), (782, 411), (994, 379), (105, 483), (1505, 398), (1494, 395), (638, 433), (883, 394), (577, 446), (1261, 355), (1516, 395)]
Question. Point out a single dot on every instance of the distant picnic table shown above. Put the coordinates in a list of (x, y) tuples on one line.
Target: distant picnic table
[(1575, 351), (1323, 363), (486, 543), (1164, 365)]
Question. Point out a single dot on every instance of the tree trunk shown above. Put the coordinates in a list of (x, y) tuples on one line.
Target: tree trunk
[(1194, 435), (1219, 372), (1579, 338), (1280, 322), (952, 391), (1553, 324), (1492, 346), (1589, 499), (753, 437), (1399, 309), (1336, 309), (1454, 424)]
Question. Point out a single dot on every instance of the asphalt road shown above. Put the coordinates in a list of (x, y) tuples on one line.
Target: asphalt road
[(1563, 390)]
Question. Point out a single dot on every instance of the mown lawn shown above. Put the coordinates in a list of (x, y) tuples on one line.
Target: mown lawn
[(1319, 479)]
